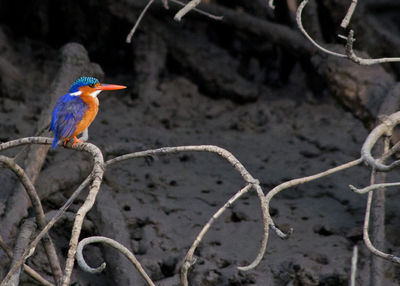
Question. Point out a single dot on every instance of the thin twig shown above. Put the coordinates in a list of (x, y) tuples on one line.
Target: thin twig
[(130, 35), (98, 171), (349, 14), (284, 186), (125, 251), (300, 25), (214, 17), (373, 187), (366, 237), (352, 56), (354, 260), (189, 6), (189, 261)]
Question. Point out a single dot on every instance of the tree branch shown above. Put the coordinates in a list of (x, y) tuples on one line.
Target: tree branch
[(125, 251)]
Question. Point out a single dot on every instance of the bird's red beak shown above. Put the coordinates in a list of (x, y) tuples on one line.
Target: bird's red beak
[(105, 86)]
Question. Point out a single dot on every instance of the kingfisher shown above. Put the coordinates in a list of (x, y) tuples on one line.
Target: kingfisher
[(76, 110)]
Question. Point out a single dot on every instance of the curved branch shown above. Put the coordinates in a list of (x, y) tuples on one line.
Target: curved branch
[(385, 128), (189, 261), (40, 218), (87, 147), (97, 173), (352, 56), (366, 238), (373, 187), (284, 186), (300, 25), (125, 251)]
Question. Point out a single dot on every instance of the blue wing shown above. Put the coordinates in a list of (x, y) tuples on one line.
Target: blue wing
[(67, 114)]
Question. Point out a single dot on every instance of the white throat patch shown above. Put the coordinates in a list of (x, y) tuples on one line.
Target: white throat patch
[(95, 93)]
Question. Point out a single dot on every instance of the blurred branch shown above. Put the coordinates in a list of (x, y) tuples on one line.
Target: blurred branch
[(31, 272), (349, 14), (189, 6), (354, 260)]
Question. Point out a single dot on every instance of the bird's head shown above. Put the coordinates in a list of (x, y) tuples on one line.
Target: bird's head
[(91, 86)]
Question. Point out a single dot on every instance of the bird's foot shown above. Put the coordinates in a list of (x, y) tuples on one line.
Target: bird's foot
[(76, 140)]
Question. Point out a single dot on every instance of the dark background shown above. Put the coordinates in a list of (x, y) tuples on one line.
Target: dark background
[(249, 83)]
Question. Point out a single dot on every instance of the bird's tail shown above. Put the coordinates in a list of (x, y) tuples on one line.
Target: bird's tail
[(55, 142)]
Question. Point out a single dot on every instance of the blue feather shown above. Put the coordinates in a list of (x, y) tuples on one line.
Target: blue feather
[(67, 114), (82, 81)]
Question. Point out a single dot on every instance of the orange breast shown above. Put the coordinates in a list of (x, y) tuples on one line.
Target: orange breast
[(90, 114)]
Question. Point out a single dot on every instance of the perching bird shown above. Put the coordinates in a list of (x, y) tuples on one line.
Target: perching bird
[(75, 111)]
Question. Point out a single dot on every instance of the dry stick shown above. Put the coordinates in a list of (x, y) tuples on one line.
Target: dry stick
[(373, 187), (189, 261), (354, 260), (300, 25), (189, 6), (352, 56), (46, 141), (366, 238), (30, 271), (385, 128), (286, 185), (37, 205), (125, 251), (349, 14), (97, 173), (215, 17), (129, 37)]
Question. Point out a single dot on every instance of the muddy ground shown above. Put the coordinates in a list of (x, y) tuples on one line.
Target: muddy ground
[(191, 83)]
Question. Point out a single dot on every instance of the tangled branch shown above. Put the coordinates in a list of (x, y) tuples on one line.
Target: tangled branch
[(349, 51)]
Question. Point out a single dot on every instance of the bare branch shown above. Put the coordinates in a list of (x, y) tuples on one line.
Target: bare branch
[(349, 14), (189, 260), (87, 147), (373, 187), (366, 237), (97, 173), (352, 56), (385, 128), (300, 25), (24, 235), (191, 148), (130, 35), (125, 251), (189, 6), (354, 260), (214, 17), (284, 186), (40, 218)]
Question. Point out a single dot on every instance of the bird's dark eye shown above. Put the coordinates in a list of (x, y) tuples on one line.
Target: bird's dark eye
[(91, 85)]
